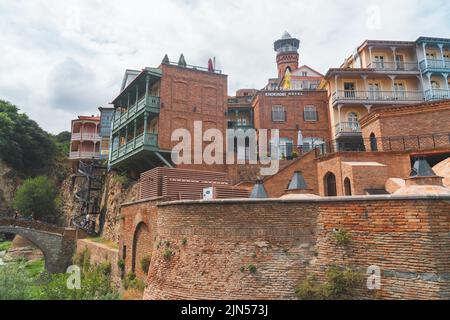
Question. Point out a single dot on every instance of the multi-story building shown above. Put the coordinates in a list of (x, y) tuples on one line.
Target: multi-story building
[(240, 111), (434, 61), (383, 73), (292, 103), (106, 116), (86, 139), (155, 102)]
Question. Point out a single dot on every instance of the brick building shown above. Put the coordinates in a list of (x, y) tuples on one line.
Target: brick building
[(155, 102)]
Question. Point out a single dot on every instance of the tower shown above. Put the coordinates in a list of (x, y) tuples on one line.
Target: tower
[(287, 53)]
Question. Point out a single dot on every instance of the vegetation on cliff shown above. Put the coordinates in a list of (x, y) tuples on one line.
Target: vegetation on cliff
[(37, 198)]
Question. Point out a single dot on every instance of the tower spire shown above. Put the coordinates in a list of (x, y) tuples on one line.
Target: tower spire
[(287, 53)]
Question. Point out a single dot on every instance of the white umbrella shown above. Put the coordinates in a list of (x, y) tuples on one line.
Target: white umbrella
[(300, 138)]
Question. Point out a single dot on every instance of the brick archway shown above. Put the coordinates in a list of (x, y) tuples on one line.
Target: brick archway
[(329, 182), (141, 247)]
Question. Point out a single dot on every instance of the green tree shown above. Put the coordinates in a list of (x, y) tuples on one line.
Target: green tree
[(23, 144), (36, 198)]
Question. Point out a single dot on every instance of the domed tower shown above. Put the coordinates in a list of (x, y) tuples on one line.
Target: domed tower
[(287, 53)]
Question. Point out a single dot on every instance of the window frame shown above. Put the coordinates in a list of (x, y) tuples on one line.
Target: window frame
[(305, 112), (281, 110)]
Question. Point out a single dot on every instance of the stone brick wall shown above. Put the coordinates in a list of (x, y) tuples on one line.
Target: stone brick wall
[(209, 246), (138, 233)]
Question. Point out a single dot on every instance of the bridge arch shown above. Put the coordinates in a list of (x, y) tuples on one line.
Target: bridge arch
[(57, 244)]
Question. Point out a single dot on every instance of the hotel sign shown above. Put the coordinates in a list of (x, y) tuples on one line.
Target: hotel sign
[(284, 94)]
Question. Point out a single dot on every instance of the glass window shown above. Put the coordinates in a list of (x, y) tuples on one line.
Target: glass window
[(278, 113), (310, 113)]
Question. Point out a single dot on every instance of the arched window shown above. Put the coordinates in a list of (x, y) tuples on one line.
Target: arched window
[(347, 187), (330, 185), (373, 142)]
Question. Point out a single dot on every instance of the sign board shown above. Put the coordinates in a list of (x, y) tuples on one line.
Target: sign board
[(208, 193)]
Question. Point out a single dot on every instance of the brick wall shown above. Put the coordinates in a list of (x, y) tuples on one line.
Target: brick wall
[(212, 244), (186, 96), (294, 107)]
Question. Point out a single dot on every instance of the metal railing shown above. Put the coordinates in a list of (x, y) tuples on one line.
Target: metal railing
[(393, 66), (193, 67), (395, 143), (437, 94), (377, 96)]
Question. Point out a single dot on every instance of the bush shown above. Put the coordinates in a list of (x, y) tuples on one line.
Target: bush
[(145, 263), (252, 269), (121, 264), (131, 282), (294, 155), (342, 237), (340, 285), (4, 246), (82, 259), (168, 254), (36, 198), (123, 180)]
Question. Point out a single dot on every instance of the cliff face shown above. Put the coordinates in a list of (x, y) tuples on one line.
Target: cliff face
[(116, 190), (9, 182)]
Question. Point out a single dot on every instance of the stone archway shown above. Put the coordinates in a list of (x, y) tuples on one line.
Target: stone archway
[(142, 245), (57, 244)]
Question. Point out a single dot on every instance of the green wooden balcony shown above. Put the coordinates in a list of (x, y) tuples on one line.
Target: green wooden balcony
[(143, 142), (151, 104)]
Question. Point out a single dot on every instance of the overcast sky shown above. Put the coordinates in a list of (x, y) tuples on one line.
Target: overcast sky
[(60, 59)]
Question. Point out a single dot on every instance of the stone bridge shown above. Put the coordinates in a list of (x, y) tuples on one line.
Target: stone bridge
[(56, 243)]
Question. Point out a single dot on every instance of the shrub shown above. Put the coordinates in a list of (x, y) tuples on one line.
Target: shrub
[(294, 155), (82, 259), (252, 268), (168, 254), (4, 246), (342, 237), (184, 242), (123, 180), (121, 264), (340, 285), (131, 282), (145, 263), (36, 198)]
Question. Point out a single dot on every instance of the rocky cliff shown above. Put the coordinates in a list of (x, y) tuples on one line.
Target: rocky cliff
[(9, 182)]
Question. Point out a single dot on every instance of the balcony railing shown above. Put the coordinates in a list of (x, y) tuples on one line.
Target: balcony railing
[(435, 64), (151, 104), (348, 128), (149, 139), (393, 66), (86, 136), (437, 94), (76, 155), (377, 96)]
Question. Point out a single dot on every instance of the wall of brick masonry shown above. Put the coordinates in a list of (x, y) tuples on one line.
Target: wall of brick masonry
[(190, 95), (212, 244), (138, 233), (100, 253)]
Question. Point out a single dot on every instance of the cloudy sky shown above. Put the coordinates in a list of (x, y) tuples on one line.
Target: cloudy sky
[(60, 59)]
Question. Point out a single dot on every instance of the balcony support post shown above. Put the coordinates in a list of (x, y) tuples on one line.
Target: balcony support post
[(336, 84), (137, 96), (135, 128), (441, 48), (364, 77), (370, 56), (145, 125), (147, 82), (445, 75), (424, 48), (394, 53), (339, 112)]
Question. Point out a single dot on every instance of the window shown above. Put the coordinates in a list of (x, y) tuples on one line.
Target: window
[(310, 143), (353, 121), (379, 62), (304, 74), (310, 113), (349, 89), (278, 113), (435, 84)]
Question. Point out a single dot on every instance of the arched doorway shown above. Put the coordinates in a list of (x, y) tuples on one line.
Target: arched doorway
[(330, 185), (373, 142), (347, 187), (142, 244)]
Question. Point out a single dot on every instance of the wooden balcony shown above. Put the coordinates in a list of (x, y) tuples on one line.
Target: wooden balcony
[(437, 94), (347, 129), (435, 65), (376, 97), (151, 104), (86, 136), (86, 155), (148, 141)]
